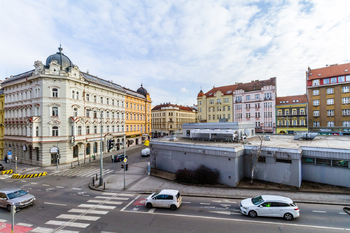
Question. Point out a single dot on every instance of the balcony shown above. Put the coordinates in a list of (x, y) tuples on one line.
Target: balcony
[(238, 101), (267, 98)]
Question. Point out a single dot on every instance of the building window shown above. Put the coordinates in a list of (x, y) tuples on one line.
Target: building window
[(95, 129), (127, 128), (316, 102), (75, 112), (107, 128), (107, 114), (330, 91), (36, 131), (54, 111), (326, 81), (261, 159), (341, 79), (73, 94), (95, 99), (346, 112), (302, 122), (334, 80), (88, 112), (213, 117), (308, 160), (345, 89), (54, 131), (283, 161), (113, 102), (77, 95), (79, 130), (209, 117), (107, 100), (330, 112), (55, 92), (247, 97), (345, 100), (200, 102), (323, 162), (228, 108), (228, 116), (346, 123), (316, 124), (226, 100), (330, 123), (101, 100), (316, 92), (330, 101), (87, 97), (316, 113), (87, 129), (257, 96), (315, 82)]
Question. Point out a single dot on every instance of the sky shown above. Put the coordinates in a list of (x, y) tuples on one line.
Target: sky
[(176, 48)]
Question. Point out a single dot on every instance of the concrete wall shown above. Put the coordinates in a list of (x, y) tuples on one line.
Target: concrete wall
[(171, 157), (326, 175)]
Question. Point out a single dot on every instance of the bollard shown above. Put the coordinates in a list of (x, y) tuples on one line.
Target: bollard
[(96, 177), (104, 185), (71, 165), (78, 163), (93, 181)]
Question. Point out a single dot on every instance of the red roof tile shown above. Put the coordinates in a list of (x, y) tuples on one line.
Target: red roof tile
[(226, 90), (298, 99), (329, 71), (160, 106), (256, 85)]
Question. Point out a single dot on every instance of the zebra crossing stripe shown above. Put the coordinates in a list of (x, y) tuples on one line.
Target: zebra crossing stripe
[(119, 194), (78, 217), (96, 206), (106, 202), (85, 211), (49, 230), (68, 224), (113, 198)]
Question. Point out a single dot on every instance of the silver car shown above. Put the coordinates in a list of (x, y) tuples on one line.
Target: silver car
[(15, 196)]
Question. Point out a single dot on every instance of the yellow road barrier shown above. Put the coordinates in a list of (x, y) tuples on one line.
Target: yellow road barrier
[(17, 176), (6, 172)]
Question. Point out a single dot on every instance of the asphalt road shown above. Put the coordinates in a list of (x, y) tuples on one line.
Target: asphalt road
[(66, 204)]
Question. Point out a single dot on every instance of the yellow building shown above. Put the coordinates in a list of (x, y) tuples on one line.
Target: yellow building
[(137, 116), (291, 114), (2, 103), (168, 118)]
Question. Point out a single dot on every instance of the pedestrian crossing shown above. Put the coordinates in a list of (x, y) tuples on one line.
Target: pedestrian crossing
[(83, 172), (82, 216)]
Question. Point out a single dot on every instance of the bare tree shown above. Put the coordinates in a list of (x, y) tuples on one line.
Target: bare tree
[(254, 158)]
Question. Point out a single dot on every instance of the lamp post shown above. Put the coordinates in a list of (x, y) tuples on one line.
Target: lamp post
[(101, 157)]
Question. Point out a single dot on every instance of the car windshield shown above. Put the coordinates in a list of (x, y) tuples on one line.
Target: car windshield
[(155, 194), (257, 200), (16, 194)]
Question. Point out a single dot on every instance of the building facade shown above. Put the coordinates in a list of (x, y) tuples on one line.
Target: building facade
[(138, 116), (168, 118), (291, 114), (2, 123), (57, 105), (328, 99), (243, 102)]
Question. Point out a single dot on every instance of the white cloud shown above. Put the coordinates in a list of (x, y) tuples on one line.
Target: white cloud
[(169, 45)]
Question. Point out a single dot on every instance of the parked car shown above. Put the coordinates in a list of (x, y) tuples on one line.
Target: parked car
[(15, 196), (145, 152), (270, 206), (118, 158), (1, 167), (166, 198)]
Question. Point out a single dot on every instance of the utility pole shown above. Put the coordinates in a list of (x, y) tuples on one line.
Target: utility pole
[(124, 159), (101, 157)]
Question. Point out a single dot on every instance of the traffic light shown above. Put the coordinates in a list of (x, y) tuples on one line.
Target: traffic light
[(122, 165), (126, 167)]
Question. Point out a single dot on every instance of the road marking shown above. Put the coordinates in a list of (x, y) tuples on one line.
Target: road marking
[(224, 212), (186, 202), (88, 211), (96, 206), (224, 201), (225, 205), (3, 220), (49, 230), (59, 187), (119, 194), (46, 185), (78, 217), (319, 211), (205, 203), (114, 198), (68, 224), (33, 183), (106, 202), (76, 188), (24, 224), (152, 210), (130, 203), (342, 213), (246, 221), (50, 203)]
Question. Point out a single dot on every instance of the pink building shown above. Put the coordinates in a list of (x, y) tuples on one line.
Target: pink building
[(255, 102)]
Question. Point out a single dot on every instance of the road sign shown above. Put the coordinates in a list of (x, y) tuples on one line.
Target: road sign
[(125, 160), (9, 155)]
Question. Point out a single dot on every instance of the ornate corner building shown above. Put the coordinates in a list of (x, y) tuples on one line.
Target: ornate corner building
[(56, 104), (2, 123), (291, 114), (329, 99)]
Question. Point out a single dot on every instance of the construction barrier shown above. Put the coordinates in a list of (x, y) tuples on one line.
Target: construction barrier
[(17, 176), (6, 172)]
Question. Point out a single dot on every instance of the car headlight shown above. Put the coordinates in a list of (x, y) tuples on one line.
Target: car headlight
[(245, 207)]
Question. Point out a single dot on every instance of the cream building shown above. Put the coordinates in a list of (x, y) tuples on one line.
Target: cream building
[(56, 104), (168, 118)]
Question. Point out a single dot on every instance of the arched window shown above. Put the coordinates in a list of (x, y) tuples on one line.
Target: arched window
[(122, 128), (54, 131), (112, 101), (77, 95), (54, 92), (101, 100), (117, 128), (73, 94), (95, 99), (107, 100), (112, 114), (127, 128), (87, 129), (75, 112), (107, 114), (87, 97), (54, 111), (113, 128), (117, 103), (37, 131), (134, 127), (95, 129), (138, 127)]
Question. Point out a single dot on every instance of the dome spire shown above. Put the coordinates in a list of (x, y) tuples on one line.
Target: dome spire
[(60, 49)]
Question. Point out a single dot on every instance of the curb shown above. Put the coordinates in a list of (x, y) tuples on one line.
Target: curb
[(17, 176), (7, 172)]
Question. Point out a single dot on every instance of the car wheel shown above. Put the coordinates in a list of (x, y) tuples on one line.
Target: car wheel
[(149, 205), (288, 216), (9, 208), (252, 214), (173, 207)]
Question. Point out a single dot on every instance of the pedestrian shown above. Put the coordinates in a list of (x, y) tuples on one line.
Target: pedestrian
[(5, 159)]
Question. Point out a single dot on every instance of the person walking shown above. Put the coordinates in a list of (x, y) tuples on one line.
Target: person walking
[(5, 159)]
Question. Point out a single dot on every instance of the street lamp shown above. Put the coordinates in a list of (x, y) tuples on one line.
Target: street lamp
[(101, 157)]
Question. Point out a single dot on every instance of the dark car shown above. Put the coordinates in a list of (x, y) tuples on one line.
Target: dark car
[(118, 158), (1, 167)]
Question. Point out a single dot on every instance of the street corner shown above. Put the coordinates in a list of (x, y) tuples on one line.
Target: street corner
[(7, 228), (25, 176)]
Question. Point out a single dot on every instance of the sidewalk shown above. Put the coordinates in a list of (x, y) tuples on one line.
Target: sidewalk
[(138, 181)]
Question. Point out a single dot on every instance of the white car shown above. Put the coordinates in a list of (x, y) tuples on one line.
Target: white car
[(166, 198), (145, 152), (270, 206)]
